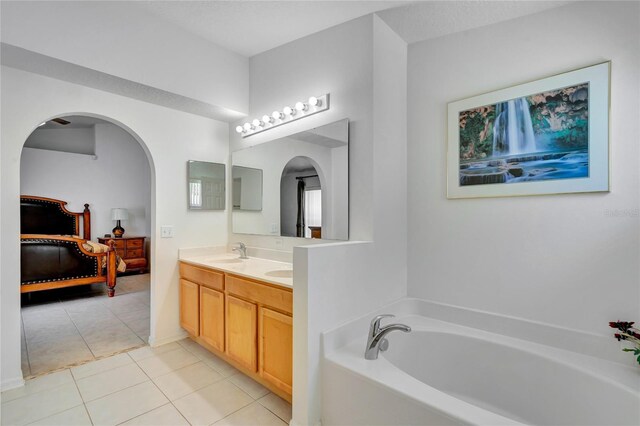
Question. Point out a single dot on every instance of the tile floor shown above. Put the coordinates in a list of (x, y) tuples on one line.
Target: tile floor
[(180, 383), (66, 327)]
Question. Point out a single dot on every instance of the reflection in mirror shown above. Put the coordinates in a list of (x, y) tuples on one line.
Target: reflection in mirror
[(247, 188), (300, 200), (205, 185), (305, 185)]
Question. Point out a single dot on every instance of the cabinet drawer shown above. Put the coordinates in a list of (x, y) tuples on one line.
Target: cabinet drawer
[(260, 293), (134, 253), (119, 244), (202, 276), (137, 243)]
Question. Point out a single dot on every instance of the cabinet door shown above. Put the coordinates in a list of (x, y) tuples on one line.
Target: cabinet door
[(189, 307), (212, 317), (276, 348), (241, 324)]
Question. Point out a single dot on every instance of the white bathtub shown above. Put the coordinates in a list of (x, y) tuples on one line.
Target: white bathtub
[(443, 373)]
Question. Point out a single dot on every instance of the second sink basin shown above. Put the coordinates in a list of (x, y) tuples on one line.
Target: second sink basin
[(280, 273)]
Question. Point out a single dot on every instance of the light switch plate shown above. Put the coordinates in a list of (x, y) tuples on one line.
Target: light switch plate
[(166, 231)]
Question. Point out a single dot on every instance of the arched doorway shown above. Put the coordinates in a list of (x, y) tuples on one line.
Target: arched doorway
[(85, 158), (301, 199)]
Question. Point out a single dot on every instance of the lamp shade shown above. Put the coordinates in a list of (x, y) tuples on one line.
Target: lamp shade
[(119, 214)]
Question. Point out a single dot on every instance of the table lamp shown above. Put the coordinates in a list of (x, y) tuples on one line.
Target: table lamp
[(118, 215)]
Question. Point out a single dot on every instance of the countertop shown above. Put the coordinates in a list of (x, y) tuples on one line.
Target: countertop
[(271, 271)]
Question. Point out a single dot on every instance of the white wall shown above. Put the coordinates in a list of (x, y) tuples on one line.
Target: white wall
[(569, 260), (170, 139), (129, 44), (362, 64), (80, 141), (72, 178)]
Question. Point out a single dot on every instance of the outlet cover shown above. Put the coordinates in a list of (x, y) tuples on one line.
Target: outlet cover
[(166, 231)]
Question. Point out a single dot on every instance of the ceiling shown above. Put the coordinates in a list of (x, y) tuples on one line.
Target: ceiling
[(252, 27), (76, 122)]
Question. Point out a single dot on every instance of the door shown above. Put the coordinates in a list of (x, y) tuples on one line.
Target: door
[(241, 325), (212, 317), (276, 348), (189, 307)]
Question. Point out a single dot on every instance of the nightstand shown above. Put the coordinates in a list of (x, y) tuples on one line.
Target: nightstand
[(131, 250)]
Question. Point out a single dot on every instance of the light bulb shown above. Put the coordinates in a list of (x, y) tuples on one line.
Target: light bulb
[(301, 106), (257, 123), (314, 102), (289, 111), (266, 119), (42, 124), (239, 129), (247, 127), (277, 115)]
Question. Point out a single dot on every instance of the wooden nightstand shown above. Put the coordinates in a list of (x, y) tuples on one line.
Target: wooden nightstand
[(131, 250)]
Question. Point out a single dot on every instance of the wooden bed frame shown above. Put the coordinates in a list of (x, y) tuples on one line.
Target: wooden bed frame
[(51, 257)]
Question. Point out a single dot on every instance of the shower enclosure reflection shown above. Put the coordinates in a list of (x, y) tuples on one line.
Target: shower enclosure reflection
[(305, 186)]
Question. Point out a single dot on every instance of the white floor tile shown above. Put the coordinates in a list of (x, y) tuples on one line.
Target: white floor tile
[(186, 380), (38, 384), (100, 366), (148, 351), (164, 363), (277, 405), (210, 404), (252, 415), (250, 386), (126, 404), (76, 416), (167, 415), (105, 383), (40, 405)]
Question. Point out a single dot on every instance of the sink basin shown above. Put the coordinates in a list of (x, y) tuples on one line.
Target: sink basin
[(280, 273), (226, 260)]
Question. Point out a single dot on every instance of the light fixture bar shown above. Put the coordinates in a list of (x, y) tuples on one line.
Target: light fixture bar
[(296, 111)]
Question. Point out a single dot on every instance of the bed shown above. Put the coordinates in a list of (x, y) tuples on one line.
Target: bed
[(54, 255)]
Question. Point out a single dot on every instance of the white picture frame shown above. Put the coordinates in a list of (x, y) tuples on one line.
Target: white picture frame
[(526, 130)]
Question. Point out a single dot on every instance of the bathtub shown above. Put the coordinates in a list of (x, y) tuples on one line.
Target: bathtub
[(448, 374)]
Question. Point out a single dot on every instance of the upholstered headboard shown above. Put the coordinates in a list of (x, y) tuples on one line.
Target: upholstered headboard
[(39, 215)]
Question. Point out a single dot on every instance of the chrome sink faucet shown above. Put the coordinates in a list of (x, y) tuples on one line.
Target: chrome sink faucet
[(242, 249), (376, 341)]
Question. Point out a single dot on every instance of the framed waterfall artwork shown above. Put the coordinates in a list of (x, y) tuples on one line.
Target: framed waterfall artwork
[(549, 136)]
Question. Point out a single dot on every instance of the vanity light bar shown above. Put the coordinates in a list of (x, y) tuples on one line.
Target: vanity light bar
[(288, 114)]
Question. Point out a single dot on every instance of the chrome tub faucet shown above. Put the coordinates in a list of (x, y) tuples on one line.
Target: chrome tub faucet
[(242, 249), (376, 341)]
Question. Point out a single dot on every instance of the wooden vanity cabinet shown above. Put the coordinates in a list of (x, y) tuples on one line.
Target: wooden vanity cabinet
[(190, 307), (212, 317), (247, 322), (241, 332), (275, 339)]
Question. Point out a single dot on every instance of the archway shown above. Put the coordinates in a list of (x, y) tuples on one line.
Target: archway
[(303, 199), (110, 174)]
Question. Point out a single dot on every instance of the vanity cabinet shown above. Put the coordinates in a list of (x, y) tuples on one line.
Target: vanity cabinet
[(276, 348), (245, 321), (189, 307), (212, 317), (241, 332)]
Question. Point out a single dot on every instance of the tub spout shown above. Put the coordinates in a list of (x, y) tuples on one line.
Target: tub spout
[(376, 341)]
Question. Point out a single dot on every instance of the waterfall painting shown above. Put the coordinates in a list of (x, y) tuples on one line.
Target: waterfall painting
[(545, 137)]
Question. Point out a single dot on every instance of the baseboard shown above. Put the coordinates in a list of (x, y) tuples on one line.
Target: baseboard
[(9, 384), (164, 340)]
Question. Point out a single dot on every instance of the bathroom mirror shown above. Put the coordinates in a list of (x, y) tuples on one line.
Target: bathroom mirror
[(304, 185), (205, 185), (246, 188)]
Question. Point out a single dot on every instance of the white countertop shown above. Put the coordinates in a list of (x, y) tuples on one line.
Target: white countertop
[(271, 271)]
